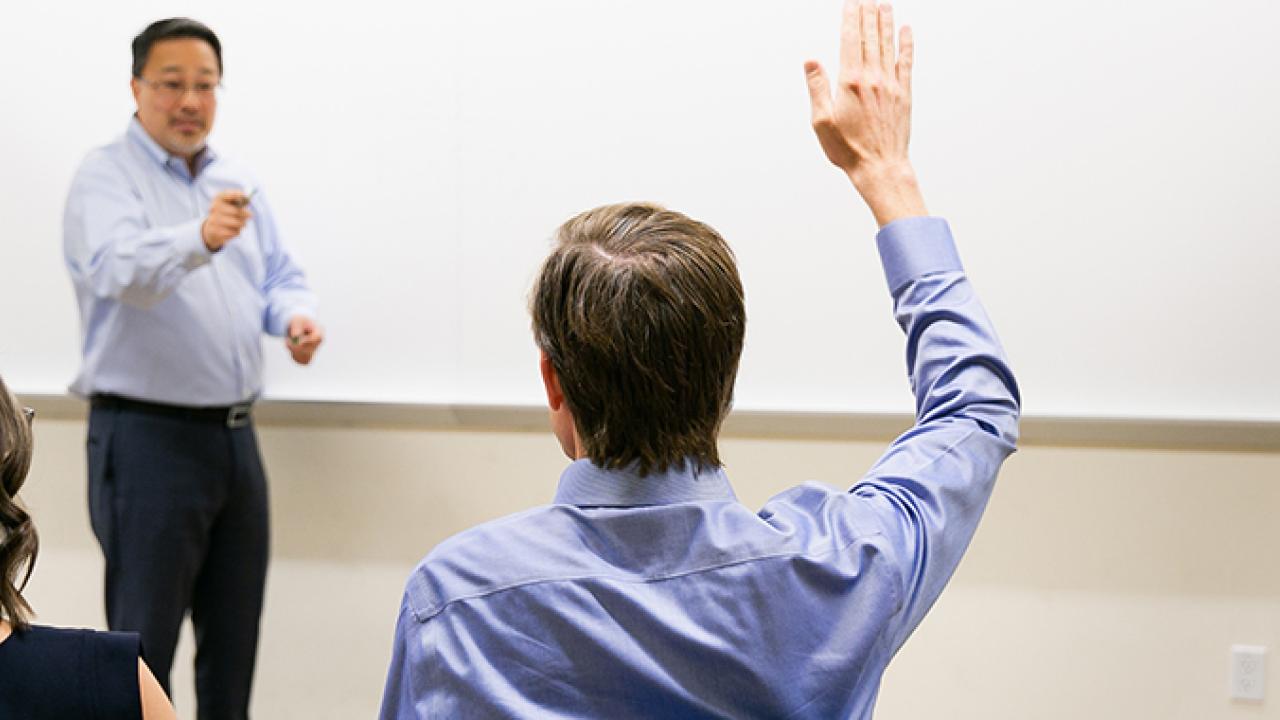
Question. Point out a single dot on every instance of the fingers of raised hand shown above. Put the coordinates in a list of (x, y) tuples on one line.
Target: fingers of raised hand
[(868, 56), (885, 23), (906, 57), (851, 41), (870, 25)]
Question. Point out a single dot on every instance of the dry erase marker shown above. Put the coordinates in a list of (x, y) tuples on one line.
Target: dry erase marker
[(248, 196)]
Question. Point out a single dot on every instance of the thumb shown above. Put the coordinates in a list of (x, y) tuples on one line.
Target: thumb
[(235, 198), (819, 90)]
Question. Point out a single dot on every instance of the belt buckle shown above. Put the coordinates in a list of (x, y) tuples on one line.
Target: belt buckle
[(238, 415)]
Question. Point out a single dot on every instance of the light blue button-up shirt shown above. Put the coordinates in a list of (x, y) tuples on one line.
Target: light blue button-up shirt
[(664, 597), (162, 318)]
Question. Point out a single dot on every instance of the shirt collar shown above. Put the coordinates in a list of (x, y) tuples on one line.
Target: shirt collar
[(139, 136), (585, 483)]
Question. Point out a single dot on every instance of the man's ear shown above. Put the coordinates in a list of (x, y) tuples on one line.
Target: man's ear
[(562, 424), (550, 381)]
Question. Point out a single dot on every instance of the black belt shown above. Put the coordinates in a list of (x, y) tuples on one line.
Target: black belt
[(234, 416)]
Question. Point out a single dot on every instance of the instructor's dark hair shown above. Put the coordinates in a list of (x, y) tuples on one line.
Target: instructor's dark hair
[(167, 30), (640, 310), (18, 541)]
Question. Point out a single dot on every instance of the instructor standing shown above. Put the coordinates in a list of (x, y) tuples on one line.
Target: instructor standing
[(178, 270)]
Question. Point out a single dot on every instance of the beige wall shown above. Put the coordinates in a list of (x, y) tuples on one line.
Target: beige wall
[(1102, 584)]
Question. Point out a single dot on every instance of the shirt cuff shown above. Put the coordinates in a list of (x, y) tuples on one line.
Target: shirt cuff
[(913, 247), (189, 241), (278, 322)]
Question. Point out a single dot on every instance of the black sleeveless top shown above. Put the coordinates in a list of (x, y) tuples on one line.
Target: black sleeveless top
[(55, 674)]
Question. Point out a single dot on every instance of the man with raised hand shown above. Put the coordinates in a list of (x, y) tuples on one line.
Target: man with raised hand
[(645, 588), (179, 270)]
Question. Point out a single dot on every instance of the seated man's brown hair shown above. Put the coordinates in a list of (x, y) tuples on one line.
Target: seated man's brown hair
[(640, 310)]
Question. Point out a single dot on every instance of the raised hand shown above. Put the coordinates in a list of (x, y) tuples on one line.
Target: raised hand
[(864, 127)]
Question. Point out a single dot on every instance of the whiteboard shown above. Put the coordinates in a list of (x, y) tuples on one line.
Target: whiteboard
[(1110, 173)]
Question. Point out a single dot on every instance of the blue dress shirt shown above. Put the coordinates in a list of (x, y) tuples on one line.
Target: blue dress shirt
[(163, 319), (664, 597)]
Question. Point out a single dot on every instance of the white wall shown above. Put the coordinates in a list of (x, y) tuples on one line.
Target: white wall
[(1109, 172), (1102, 583)]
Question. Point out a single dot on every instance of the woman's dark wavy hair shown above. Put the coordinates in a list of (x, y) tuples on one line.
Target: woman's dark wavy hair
[(18, 541)]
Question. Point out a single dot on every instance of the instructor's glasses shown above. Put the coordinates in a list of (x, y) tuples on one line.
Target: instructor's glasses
[(171, 91)]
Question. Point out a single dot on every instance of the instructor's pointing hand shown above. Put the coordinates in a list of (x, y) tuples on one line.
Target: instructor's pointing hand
[(228, 214), (865, 126)]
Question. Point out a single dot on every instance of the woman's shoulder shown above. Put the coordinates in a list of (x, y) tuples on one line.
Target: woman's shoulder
[(72, 642), (53, 671)]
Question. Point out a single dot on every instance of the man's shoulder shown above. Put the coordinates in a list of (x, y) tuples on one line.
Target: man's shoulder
[(554, 543), (527, 547), (105, 160)]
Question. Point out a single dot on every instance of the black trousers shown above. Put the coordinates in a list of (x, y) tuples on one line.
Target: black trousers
[(179, 507)]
